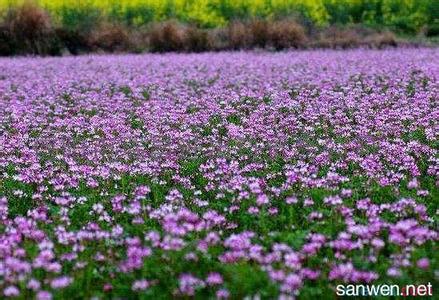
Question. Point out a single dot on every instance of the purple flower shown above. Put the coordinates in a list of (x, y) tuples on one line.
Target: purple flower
[(394, 272), (189, 283), (423, 263), (11, 291), (214, 278), (140, 285), (291, 200), (222, 294), (44, 295), (60, 282), (262, 199)]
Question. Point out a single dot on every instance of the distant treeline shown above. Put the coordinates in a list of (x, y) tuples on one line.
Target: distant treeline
[(51, 27), (408, 16)]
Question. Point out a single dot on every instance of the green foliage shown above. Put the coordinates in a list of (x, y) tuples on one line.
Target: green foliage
[(78, 18), (407, 16)]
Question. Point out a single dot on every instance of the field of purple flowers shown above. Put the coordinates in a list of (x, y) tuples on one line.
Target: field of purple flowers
[(218, 175)]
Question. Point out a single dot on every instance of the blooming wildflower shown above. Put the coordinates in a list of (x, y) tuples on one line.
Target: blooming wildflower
[(394, 272), (291, 200), (262, 199), (44, 295), (423, 263), (188, 284), (222, 294), (60, 282), (33, 284), (139, 285), (214, 279), (11, 291), (333, 200)]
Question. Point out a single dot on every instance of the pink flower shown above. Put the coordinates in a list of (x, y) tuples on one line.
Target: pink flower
[(413, 184), (346, 193), (189, 283), (262, 199), (291, 283), (214, 279), (44, 295), (333, 200), (11, 291), (394, 272), (273, 211), (253, 210), (291, 200), (423, 263), (33, 284), (60, 282), (140, 285), (107, 287), (222, 294)]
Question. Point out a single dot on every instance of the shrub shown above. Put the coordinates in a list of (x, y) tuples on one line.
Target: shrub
[(29, 31), (432, 30), (110, 38), (286, 34), (382, 40), (75, 41), (166, 36), (218, 39), (7, 45), (337, 37), (238, 36), (196, 40), (260, 31)]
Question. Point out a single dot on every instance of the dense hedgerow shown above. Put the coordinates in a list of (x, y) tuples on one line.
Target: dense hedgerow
[(408, 16), (130, 26), (218, 175), (170, 36)]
